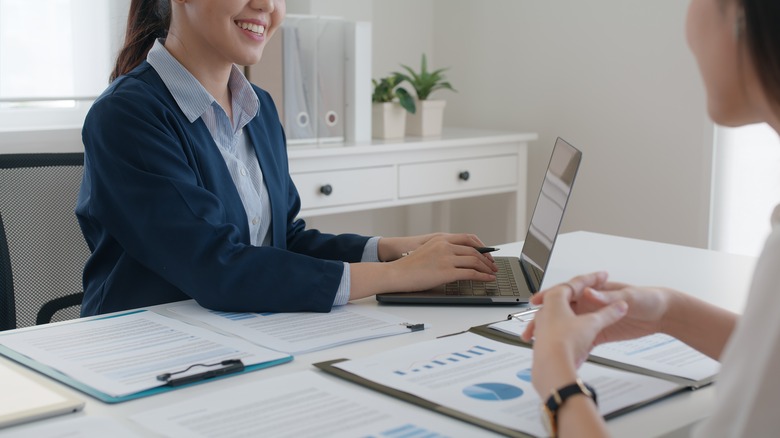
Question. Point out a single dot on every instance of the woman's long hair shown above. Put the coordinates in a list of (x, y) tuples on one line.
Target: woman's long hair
[(146, 21), (762, 33)]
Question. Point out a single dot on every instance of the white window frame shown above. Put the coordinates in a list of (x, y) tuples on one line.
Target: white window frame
[(102, 22), (746, 188)]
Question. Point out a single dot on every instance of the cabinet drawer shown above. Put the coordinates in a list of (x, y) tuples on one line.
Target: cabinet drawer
[(458, 175), (352, 186)]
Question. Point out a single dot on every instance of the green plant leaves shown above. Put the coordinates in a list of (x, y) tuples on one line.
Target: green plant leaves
[(425, 82), (387, 90)]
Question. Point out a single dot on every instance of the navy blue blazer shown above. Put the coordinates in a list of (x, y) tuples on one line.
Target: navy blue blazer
[(165, 223)]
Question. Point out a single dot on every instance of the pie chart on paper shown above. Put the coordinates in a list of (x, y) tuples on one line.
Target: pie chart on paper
[(492, 391)]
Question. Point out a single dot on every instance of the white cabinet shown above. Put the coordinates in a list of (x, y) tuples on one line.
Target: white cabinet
[(345, 186), (461, 163), (453, 176)]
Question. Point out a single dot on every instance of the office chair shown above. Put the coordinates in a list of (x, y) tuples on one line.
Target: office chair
[(42, 250)]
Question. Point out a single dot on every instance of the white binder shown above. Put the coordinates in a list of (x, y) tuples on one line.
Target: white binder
[(318, 70)]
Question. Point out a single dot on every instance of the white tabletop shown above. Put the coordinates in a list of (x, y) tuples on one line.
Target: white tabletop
[(720, 278)]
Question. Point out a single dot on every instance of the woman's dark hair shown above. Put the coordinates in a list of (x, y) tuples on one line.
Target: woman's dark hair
[(762, 34), (146, 21)]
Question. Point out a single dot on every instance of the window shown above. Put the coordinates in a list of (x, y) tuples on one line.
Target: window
[(746, 187), (55, 58)]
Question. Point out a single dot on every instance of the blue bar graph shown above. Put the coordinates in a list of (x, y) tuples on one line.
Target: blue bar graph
[(408, 431), (448, 359), (234, 316)]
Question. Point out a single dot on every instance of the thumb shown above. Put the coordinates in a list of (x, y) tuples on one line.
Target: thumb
[(610, 314), (601, 297)]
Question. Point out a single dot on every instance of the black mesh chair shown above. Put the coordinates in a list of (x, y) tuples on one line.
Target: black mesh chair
[(42, 250)]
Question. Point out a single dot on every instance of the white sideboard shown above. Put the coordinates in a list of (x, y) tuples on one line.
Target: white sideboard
[(461, 163)]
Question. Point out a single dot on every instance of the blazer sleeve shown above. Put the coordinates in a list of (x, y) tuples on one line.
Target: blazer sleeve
[(153, 199)]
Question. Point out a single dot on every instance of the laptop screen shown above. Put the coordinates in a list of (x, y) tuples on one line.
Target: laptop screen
[(548, 213)]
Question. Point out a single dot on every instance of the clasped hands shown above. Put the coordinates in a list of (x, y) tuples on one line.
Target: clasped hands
[(584, 312)]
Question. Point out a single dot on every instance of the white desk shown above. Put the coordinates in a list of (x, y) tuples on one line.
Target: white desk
[(721, 278)]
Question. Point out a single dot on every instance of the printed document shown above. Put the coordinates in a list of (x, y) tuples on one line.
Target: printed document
[(299, 332), (657, 352), (492, 380), (305, 404), (124, 354)]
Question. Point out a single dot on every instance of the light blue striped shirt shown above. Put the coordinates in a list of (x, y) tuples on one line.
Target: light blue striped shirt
[(234, 145)]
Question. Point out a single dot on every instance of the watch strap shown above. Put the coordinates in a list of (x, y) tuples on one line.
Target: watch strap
[(559, 396)]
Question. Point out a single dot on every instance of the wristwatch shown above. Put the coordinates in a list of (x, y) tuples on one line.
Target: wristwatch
[(557, 398)]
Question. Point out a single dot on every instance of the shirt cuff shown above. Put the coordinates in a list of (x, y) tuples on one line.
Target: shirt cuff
[(371, 250), (370, 254), (342, 295)]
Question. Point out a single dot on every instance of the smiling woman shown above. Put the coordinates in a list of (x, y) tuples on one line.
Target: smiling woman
[(50, 72)]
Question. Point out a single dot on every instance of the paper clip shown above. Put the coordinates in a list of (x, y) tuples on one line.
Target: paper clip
[(229, 366)]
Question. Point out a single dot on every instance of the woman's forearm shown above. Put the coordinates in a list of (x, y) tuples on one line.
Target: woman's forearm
[(579, 417), (699, 324)]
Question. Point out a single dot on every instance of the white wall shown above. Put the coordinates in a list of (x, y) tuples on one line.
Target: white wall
[(615, 78)]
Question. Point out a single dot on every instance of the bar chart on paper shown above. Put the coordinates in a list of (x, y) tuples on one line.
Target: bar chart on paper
[(476, 351), (406, 431)]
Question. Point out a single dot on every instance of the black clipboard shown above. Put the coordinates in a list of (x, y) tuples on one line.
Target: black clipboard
[(497, 335)]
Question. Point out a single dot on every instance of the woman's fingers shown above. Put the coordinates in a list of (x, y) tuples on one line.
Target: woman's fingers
[(528, 333), (576, 284)]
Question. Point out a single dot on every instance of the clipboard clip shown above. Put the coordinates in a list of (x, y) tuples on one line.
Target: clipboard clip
[(524, 316), (228, 366), (413, 327)]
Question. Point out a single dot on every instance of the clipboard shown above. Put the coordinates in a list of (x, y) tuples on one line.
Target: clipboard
[(332, 368), (328, 367), (107, 398), (164, 386), (497, 335)]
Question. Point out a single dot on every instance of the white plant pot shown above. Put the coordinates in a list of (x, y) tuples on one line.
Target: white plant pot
[(427, 120), (388, 120)]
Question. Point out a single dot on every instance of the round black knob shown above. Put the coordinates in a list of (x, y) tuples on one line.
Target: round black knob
[(464, 175), (326, 190)]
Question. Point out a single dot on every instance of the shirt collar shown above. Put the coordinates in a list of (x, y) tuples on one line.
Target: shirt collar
[(190, 95)]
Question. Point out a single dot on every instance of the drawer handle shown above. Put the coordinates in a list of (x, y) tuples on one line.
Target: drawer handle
[(465, 175), (326, 190)]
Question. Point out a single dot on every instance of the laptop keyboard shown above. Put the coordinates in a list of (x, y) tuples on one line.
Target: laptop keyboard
[(504, 285)]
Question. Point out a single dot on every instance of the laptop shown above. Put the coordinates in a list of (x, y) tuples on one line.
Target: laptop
[(517, 278)]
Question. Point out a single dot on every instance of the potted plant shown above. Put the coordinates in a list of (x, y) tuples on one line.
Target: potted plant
[(389, 107), (428, 120)]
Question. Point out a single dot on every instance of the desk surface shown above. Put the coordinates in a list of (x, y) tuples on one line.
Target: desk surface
[(720, 278)]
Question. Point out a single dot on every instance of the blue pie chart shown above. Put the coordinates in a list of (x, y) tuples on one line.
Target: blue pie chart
[(524, 375), (492, 391)]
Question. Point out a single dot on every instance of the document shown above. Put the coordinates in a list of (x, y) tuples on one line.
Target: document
[(81, 427), (300, 332), (490, 380), (659, 353), (123, 355), (305, 404)]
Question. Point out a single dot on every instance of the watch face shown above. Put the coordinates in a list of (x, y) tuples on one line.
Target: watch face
[(548, 419)]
